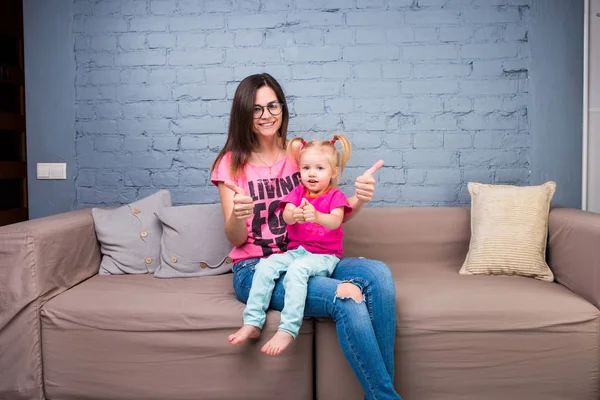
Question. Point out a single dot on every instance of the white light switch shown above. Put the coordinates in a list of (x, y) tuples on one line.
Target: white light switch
[(52, 171)]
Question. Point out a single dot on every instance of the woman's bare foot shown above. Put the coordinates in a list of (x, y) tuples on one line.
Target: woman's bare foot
[(278, 343), (245, 332)]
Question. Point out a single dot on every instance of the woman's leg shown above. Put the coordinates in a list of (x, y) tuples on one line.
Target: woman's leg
[(353, 323), (377, 285)]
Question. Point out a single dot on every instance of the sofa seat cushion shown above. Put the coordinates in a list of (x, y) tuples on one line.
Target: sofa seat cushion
[(481, 336), (139, 337), (436, 298)]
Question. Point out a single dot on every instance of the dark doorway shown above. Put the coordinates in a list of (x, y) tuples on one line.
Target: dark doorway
[(13, 154)]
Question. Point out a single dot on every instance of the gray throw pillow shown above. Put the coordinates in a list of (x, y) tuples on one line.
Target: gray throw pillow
[(130, 235), (193, 242)]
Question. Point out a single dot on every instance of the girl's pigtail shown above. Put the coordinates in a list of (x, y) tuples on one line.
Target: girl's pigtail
[(346, 150), (293, 149)]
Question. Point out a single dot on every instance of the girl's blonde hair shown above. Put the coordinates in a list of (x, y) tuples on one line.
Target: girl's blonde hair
[(337, 159)]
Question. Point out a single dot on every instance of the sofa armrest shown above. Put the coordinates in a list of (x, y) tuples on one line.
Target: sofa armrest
[(39, 259), (574, 251)]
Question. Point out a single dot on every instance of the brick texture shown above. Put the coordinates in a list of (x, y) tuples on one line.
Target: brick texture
[(437, 88)]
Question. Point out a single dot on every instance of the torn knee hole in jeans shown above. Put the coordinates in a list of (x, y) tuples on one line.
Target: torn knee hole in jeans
[(348, 290)]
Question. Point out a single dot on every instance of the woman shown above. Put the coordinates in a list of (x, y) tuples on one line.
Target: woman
[(253, 174)]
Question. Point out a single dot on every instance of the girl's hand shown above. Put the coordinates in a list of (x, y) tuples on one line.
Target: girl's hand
[(310, 214), (243, 206), (298, 214), (365, 184)]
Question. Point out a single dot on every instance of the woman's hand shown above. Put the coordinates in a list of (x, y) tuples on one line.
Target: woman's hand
[(365, 184), (365, 187), (243, 206)]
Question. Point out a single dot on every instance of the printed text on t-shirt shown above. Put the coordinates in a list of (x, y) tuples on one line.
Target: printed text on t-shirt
[(263, 191)]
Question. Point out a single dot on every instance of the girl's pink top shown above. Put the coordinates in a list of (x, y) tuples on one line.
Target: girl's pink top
[(313, 237)]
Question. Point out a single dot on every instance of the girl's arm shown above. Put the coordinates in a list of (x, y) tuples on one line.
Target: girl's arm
[(332, 220), (288, 214), (235, 229)]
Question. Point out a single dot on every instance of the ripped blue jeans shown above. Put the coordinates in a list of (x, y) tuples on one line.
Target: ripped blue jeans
[(366, 330)]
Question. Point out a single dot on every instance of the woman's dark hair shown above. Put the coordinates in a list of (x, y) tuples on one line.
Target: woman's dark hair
[(241, 140)]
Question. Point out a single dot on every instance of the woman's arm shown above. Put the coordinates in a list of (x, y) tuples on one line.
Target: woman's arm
[(356, 205), (235, 228), (365, 187)]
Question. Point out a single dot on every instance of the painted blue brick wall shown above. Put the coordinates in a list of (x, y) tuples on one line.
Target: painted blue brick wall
[(438, 88)]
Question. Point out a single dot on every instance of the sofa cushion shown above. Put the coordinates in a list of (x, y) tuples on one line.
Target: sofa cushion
[(509, 228), (485, 337), (130, 235), (409, 235), (137, 337), (193, 242)]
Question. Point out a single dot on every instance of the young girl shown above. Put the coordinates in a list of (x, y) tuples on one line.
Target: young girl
[(313, 212)]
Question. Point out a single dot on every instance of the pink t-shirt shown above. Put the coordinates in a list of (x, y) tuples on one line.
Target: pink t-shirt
[(266, 229), (314, 237)]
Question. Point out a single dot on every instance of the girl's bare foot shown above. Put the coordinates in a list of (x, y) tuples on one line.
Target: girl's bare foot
[(278, 343), (245, 332)]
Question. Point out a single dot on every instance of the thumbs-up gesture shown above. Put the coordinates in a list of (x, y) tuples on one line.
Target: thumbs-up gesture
[(243, 206), (298, 213), (365, 184), (310, 214)]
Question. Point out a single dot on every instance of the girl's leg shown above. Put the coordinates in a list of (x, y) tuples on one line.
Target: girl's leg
[(268, 271), (353, 323), (295, 284), (375, 280), (259, 297)]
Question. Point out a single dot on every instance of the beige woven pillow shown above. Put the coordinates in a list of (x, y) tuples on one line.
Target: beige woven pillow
[(509, 228)]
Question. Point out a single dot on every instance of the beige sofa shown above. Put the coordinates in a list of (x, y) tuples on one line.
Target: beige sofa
[(68, 333)]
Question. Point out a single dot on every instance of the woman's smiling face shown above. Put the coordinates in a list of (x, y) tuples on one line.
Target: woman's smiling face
[(267, 124)]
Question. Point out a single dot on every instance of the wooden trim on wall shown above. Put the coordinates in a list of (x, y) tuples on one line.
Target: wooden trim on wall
[(13, 170), (13, 216), (12, 122), (12, 75), (12, 119)]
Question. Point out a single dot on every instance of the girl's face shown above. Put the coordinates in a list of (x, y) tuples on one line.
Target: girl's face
[(267, 124), (315, 171)]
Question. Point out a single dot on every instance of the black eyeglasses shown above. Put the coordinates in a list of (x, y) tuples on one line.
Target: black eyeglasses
[(274, 107)]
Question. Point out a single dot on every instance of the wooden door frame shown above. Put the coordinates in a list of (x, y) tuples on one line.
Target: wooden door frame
[(11, 25)]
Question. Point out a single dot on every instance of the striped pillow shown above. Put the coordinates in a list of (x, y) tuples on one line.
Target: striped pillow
[(509, 228)]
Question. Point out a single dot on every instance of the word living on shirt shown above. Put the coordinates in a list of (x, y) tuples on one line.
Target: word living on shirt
[(263, 193)]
